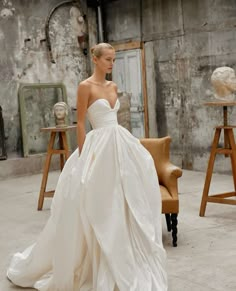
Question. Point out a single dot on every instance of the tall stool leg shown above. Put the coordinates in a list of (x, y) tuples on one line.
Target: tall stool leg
[(226, 137), (63, 151), (45, 171), (230, 135), (209, 171), (65, 145), (62, 160)]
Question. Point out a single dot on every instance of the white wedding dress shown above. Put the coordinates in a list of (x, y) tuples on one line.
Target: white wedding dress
[(104, 232)]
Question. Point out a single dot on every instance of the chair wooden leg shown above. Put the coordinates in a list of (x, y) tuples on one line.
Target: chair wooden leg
[(174, 222), (168, 222)]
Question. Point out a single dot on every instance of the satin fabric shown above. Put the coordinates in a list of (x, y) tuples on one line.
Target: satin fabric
[(104, 232)]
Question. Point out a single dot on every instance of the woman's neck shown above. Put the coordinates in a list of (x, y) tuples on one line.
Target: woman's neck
[(99, 77)]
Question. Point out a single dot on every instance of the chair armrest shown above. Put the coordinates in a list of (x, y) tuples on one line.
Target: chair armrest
[(168, 176), (159, 148)]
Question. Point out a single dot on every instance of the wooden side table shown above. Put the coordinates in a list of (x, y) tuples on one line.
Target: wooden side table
[(229, 149), (63, 151)]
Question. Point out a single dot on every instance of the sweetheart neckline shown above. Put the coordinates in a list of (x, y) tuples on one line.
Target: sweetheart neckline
[(112, 108)]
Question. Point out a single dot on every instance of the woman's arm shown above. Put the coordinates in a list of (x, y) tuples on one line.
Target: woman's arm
[(82, 104)]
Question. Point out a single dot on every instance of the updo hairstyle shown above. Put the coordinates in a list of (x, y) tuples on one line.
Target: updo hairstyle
[(97, 50)]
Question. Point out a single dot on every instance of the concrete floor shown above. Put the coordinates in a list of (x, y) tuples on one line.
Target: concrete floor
[(205, 259)]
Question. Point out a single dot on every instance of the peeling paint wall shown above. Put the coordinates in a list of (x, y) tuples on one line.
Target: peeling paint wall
[(24, 56), (186, 41)]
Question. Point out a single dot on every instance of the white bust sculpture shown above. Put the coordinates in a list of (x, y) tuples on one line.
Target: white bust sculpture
[(223, 80), (60, 111)]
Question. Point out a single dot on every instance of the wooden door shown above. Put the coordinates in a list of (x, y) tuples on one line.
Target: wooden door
[(127, 74)]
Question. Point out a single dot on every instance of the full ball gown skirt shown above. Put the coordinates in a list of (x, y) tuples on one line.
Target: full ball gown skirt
[(104, 232)]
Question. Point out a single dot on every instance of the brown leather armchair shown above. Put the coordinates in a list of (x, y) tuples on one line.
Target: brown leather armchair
[(168, 174)]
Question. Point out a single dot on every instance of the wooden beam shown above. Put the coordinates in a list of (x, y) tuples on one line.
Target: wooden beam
[(127, 46)]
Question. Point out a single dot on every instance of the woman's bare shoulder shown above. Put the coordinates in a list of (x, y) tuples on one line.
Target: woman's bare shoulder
[(85, 84), (113, 84), (84, 87)]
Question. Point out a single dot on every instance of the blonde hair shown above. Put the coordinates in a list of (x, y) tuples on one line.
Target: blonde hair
[(97, 50)]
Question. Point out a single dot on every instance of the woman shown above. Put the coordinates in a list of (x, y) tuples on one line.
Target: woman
[(104, 232)]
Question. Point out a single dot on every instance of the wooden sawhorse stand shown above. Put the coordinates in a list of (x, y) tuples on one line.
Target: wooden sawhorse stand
[(63, 151), (229, 149)]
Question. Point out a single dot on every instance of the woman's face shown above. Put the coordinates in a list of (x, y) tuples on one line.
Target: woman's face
[(106, 61)]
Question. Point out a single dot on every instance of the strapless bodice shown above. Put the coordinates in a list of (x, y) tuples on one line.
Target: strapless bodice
[(101, 114)]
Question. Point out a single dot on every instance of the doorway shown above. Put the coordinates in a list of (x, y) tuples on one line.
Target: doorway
[(129, 75)]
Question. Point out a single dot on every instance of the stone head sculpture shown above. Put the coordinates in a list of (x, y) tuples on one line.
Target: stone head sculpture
[(60, 111), (223, 80)]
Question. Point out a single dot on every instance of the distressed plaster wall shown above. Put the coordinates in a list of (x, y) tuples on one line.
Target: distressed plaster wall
[(24, 57), (186, 41)]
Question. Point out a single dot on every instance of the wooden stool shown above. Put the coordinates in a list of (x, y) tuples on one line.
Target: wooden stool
[(229, 149), (63, 151)]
